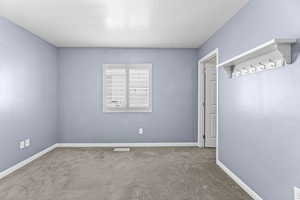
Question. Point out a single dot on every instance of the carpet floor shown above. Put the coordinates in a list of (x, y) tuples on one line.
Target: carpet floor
[(141, 174)]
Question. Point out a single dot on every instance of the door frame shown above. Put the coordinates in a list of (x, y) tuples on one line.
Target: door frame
[(201, 63)]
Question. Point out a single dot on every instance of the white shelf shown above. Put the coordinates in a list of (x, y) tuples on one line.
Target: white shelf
[(283, 46)]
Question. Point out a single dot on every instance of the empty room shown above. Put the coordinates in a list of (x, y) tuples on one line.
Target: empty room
[(149, 100)]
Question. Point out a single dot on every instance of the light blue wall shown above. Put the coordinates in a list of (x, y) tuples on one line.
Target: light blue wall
[(259, 117), (174, 116), (28, 100), (259, 114)]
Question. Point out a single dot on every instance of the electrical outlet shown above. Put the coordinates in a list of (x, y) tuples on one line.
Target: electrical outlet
[(27, 142), (141, 131), (22, 145)]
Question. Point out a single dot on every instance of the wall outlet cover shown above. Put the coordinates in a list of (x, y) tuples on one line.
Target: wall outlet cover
[(141, 130), (22, 145), (27, 142)]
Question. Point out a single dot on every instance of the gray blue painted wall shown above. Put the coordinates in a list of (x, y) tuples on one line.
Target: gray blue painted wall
[(28, 93), (259, 118), (174, 115)]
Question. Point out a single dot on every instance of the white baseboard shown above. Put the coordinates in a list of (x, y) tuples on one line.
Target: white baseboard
[(183, 144), (43, 152), (25, 162), (243, 185)]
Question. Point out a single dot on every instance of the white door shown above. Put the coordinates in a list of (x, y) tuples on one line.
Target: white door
[(210, 105), (201, 104)]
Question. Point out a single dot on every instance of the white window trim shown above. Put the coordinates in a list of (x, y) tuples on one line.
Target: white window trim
[(127, 108)]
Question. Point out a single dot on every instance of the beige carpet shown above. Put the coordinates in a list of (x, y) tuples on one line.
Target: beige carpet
[(142, 174)]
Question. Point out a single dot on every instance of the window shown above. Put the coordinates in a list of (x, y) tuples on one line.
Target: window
[(127, 88)]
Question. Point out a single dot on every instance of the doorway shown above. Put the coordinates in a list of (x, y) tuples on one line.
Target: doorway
[(208, 100)]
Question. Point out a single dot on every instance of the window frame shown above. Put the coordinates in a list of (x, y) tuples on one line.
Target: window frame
[(127, 67)]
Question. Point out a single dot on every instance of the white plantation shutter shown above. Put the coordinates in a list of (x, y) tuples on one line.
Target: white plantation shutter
[(139, 88), (127, 88), (115, 83)]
